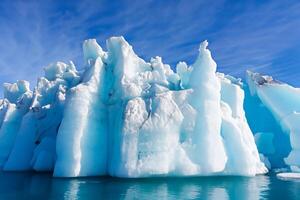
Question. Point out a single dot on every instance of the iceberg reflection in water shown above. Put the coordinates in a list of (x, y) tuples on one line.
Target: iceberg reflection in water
[(43, 186)]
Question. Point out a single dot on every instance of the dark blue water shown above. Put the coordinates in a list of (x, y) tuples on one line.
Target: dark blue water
[(42, 186)]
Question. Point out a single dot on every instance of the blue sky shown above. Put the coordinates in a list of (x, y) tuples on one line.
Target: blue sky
[(260, 35)]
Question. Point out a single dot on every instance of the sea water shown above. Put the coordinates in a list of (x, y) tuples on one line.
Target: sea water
[(44, 186)]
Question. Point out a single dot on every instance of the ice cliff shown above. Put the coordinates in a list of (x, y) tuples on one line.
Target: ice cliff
[(277, 126), (124, 117)]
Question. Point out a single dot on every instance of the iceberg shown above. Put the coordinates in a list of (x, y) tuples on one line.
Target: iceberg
[(125, 117), (282, 101)]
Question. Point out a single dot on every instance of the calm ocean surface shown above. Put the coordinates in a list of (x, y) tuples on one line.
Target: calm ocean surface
[(42, 186)]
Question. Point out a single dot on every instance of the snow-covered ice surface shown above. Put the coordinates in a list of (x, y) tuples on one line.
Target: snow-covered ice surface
[(125, 117)]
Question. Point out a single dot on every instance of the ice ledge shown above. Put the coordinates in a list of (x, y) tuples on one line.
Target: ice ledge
[(260, 79)]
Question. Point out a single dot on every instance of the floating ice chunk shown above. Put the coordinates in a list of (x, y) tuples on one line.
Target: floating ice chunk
[(288, 175)]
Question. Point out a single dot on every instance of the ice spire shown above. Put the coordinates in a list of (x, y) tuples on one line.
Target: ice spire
[(206, 137)]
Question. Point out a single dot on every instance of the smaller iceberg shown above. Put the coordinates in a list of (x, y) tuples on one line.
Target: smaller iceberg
[(283, 103)]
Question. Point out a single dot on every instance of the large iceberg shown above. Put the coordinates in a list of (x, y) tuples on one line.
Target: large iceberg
[(124, 117)]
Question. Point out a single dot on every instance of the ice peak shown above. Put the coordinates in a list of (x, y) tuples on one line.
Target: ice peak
[(260, 79), (203, 45), (118, 41), (203, 67), (205, 59), (91, 49)]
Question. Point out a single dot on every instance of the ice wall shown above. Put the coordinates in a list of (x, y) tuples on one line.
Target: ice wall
[(17, 98), (283, 102), (273, 144), (122, 116), (243, 157), (82, 136), (34, 144), (144, 116)]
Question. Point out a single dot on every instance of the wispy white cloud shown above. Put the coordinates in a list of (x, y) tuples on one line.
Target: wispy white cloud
[(258, 36), (242, 35)]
